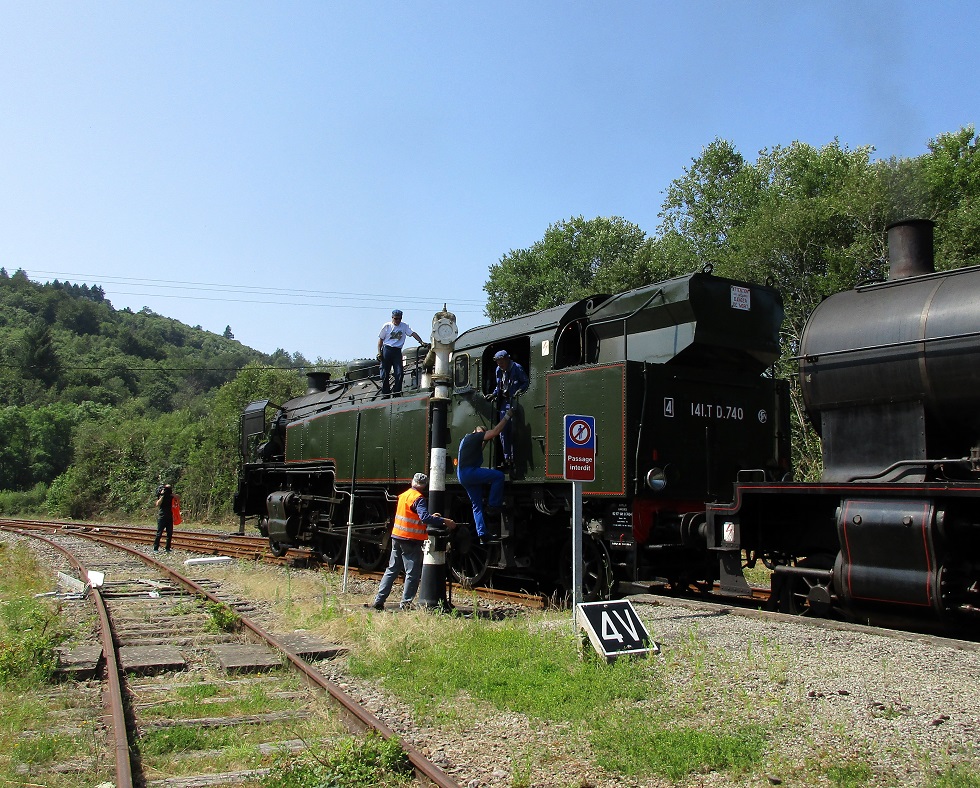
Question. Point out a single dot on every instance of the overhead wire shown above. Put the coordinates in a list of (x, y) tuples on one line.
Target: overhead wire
[(296, 297)]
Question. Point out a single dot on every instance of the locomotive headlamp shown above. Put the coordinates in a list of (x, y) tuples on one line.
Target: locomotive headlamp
[(656, 479)]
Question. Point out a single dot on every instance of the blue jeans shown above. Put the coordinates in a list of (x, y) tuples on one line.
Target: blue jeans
[(473, 480), (391, 362), (406, 555), (506, 442)]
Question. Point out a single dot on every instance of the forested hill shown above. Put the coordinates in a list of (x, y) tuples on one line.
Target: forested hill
[(99, 405), (63, 342)]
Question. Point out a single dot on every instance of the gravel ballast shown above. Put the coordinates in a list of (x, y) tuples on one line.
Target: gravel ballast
[(855, 703)]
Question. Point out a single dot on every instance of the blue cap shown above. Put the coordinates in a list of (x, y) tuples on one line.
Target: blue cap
[(501, 354), (396, 313)]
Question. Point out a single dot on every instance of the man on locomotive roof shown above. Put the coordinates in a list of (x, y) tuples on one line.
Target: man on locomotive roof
[(409, 532), (391, 340), (473, 476), (512, 381)]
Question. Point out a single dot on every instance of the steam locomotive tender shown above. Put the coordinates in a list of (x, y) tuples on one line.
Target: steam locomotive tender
[(676, 375)]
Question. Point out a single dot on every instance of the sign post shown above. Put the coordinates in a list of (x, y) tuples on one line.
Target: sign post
[(579, 467)]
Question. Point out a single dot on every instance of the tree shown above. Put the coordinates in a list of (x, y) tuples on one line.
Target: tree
[(706, 207), (211, 474), (38, 357), (810, 220), (951, 176), (574, 259)]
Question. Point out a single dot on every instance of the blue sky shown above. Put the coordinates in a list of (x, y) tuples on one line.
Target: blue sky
[(297, 169)]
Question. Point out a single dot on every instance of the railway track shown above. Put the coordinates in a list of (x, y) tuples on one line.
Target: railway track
[(190, 670), (256, 548), (877, 678), (249, 548)]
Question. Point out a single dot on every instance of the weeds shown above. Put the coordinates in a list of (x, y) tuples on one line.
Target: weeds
[(40, 749), (674, 752), (202, 700), (352, 763), (850, 774), (184, 738), (223, 618)]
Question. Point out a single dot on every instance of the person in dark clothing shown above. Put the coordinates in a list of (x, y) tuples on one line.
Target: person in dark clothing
[(165, 515), (512, 381), (473, 476)]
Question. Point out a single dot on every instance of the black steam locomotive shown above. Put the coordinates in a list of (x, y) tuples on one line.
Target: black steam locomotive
[(891, 534), (692, 445)]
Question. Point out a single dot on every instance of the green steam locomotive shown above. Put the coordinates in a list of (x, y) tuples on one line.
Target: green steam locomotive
[(677, 376)]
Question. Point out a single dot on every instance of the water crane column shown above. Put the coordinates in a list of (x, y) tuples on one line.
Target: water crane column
[(432, 588)]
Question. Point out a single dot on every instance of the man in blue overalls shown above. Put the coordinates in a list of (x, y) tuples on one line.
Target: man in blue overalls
[(511, 382)]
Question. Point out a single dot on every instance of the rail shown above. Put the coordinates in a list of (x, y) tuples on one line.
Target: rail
[(361, 718)]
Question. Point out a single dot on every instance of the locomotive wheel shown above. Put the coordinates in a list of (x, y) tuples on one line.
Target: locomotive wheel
[(472, 567), (334, 549), (597, 578), (278, 549), (802, 596), (371, 545), (371, 548)]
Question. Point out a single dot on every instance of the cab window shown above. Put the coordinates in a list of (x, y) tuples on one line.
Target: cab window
[(461, 370)]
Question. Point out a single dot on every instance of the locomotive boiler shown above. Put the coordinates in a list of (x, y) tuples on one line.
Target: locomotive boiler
[(676, 374), (890, 376)]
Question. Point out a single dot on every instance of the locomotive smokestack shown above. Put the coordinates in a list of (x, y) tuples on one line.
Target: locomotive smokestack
[(910, 248), (316, 382)]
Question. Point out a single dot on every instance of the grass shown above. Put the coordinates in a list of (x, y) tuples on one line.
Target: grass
[(628, 715), (958, 776), (698, 714), (179, 749), (30, 628), (30, 740), (623, 710), (208, 700), (758, 576)]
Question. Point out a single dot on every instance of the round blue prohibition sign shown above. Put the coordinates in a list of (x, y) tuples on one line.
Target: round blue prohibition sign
[(580, 432)]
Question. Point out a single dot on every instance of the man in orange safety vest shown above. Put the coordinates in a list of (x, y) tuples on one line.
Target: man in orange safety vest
[(412, 519)]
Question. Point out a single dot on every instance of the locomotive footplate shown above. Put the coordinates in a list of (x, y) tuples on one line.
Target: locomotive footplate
[(888, 554)]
